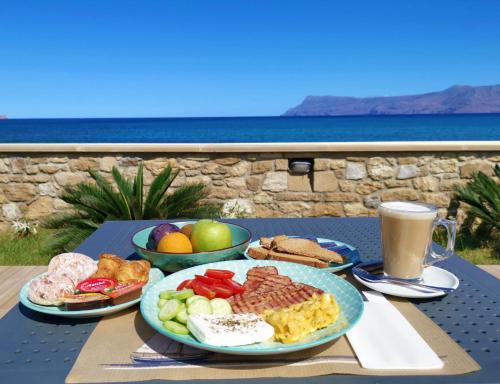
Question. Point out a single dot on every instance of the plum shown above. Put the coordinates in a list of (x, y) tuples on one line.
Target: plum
[(158, 232)]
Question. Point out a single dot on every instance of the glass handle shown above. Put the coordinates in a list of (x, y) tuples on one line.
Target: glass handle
[(451, 230)]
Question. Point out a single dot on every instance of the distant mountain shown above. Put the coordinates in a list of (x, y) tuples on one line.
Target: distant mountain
[(456, 99)]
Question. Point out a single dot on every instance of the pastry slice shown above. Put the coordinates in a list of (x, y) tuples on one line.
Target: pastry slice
[(308, 248), (311, 261), (130, 271), (108, 265)]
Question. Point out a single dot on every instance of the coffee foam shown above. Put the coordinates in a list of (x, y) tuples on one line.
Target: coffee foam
[(407, 210)]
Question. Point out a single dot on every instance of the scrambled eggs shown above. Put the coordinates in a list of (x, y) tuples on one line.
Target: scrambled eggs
[(297, 321)]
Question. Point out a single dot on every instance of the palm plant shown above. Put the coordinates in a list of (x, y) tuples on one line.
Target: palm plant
[(482, 195), (98, 201)]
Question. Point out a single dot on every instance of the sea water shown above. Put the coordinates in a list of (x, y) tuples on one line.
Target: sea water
[(253, 129)]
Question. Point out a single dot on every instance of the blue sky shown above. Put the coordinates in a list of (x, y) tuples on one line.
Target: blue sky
[(234, 58)]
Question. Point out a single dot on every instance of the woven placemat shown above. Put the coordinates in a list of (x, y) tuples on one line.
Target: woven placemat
[(114, 351)]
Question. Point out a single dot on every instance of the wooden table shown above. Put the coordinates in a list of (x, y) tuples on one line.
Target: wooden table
[(491, 269), (11, 281)]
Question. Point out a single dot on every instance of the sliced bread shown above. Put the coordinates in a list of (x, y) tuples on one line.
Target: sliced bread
[(258, 253), (282, 256), (308, 248), (266, 242)]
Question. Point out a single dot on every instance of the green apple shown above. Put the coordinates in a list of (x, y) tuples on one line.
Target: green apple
[(210, 235)]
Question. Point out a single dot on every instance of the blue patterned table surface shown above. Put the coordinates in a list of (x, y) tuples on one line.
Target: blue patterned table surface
[(40, 348)]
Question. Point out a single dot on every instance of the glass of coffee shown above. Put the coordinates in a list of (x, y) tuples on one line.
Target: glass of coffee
[(406, 230)]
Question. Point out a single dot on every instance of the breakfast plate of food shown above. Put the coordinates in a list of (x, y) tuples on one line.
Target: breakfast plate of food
[(77, 286), (329, 255), (252, 307)]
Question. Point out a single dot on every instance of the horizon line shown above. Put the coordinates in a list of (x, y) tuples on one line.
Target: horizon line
[(6, 118)]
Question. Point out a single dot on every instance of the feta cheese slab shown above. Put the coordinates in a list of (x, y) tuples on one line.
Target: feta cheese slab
[(229, 330)]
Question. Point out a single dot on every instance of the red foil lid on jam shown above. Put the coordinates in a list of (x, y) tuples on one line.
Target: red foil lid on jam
[(96, 284)]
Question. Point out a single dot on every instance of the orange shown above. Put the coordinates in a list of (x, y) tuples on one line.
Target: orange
[(175, 242)]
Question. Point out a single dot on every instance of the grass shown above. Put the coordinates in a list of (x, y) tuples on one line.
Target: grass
[(479, 256), (471, 248), (27, 250)]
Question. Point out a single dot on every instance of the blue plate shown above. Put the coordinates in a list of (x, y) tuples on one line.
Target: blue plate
[(347, 251), (155, 275), (348, 297)]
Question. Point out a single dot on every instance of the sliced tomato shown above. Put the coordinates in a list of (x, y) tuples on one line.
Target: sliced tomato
[(222, 291), (203, 290), (233, 285), (219, 273), (185, 284), (207, 280)]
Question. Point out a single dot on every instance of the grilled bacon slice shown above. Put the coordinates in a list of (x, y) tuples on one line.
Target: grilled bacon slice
[(272, 283), (261, 271), (256, 275), (266, 289), (284, 297)]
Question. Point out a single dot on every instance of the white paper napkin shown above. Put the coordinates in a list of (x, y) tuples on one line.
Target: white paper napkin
[(384, 339)]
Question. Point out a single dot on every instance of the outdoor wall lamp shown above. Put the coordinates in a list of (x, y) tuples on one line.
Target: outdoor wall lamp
[(300, 166)]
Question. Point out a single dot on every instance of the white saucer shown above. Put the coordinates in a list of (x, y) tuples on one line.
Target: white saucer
[(432, 276)]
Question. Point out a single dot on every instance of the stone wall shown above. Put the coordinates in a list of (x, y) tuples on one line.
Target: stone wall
[(253, 184)]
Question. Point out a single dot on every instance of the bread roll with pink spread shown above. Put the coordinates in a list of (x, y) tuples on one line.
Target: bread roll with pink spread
[(49, 289), (76, 266)]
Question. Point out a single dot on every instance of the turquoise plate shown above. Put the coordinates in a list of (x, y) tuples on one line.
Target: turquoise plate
[(347, 251), (348, 297), (155, 275)]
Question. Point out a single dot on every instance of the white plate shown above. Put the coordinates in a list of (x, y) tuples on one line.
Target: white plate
[(155, 275), (432, 276)]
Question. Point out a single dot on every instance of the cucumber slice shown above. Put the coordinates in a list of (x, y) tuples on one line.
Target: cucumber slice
[(184, 294), (167, 295), (170, 309), (194, 298), (174, 327), (221, 307), (182, 316), (161, 302), (199, 307)]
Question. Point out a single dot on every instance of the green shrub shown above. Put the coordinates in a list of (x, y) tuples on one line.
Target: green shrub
[(482, 225), (93, 203)]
